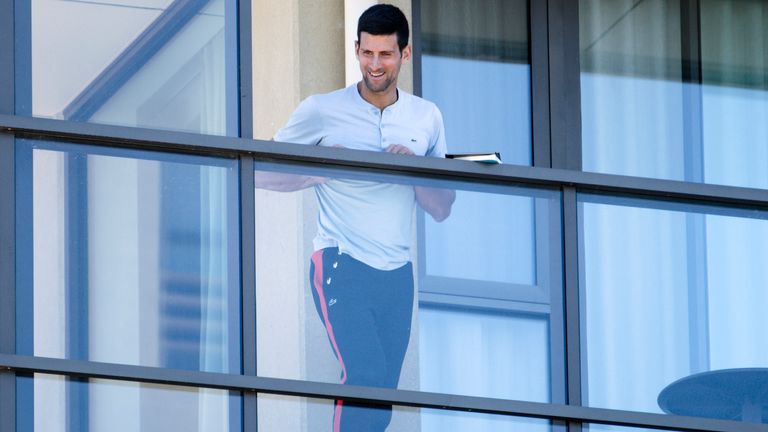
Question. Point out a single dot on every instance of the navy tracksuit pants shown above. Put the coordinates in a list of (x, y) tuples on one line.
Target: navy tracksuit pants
[(367, 314)]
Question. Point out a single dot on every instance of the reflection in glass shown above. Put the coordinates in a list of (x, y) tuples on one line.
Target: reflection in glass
[(631, 88), (680, 293), (57, 403), (133, 259), (599, 427), (166, 64), (654, 105), (476, 68), (734, 61), (455, 248), (481, 331), (284, 413), (477, 353)]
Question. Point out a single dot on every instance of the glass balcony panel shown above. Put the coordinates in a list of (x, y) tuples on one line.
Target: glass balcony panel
[(52, 403), (284, 413), (673, 307), (606, 428), (479, 322), (128, 257), (163, 64)]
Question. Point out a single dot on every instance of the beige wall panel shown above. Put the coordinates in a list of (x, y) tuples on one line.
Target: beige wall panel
[(275, 64), (297, 51), (321, 36)]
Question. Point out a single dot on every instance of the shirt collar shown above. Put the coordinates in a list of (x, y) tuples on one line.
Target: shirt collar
[(367, 105)]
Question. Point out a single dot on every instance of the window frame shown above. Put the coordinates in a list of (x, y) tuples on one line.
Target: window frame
[(556, 139)]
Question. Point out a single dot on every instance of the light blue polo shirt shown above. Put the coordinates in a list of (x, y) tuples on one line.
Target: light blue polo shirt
[(370, 221)]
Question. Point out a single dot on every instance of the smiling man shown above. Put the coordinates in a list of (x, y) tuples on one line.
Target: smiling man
[(361, 272)]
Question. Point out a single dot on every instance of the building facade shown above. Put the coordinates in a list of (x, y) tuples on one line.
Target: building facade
[(610, 274)]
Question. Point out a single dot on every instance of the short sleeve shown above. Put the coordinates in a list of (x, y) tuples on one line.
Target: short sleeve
[(304, 126), (437, 146)]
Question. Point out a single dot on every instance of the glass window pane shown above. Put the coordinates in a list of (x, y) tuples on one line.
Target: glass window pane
[(631, 87), (734, 56), (52, 403), (128, 257), (335, 301), (675, 90), (680, 296), (166, 64), (475, 66), (286, 413)]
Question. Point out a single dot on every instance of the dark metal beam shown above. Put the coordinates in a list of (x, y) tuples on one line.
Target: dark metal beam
[(540, 97), (117, 136), (248, 286), (417, 42), (565, 83), (245, 64), (7, 278), (572, 303), (7, 54)]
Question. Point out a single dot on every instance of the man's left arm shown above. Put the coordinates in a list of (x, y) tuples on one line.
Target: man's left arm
[(435, 201)]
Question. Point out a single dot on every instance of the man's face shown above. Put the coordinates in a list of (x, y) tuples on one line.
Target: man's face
[(380, 60)]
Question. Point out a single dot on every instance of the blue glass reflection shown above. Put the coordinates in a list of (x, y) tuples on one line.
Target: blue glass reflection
[(58, 403), (488, 111), (280, 413), (632, 126), (650, 108), (134, 257), (735, 135), (478, 353), (168, 65), (679, 293)]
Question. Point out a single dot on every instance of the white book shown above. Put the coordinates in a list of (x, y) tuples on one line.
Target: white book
[(491, 158)]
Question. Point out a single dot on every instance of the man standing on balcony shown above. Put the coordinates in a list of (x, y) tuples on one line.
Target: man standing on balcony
[(360, 272)]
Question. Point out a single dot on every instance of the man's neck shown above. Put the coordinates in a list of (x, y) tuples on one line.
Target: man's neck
[(380, 100)]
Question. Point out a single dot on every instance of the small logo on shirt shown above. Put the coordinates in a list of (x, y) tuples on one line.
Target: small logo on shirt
[(332, 302)]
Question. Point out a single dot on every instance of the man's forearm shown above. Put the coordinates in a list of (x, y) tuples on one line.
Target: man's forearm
[(436, 202)]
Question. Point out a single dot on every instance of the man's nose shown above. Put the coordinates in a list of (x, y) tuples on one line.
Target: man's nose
[(376, 62)]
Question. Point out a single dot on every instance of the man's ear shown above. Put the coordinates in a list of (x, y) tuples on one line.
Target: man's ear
[(406, 54), (357, 49)]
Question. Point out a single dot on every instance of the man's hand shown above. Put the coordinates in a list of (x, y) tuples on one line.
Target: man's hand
[(398, 149)]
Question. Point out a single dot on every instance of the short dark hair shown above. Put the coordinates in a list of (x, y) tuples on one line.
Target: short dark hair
[(384, 19)]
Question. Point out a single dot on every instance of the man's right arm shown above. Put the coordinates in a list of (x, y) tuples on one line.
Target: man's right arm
[(303, 127)]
